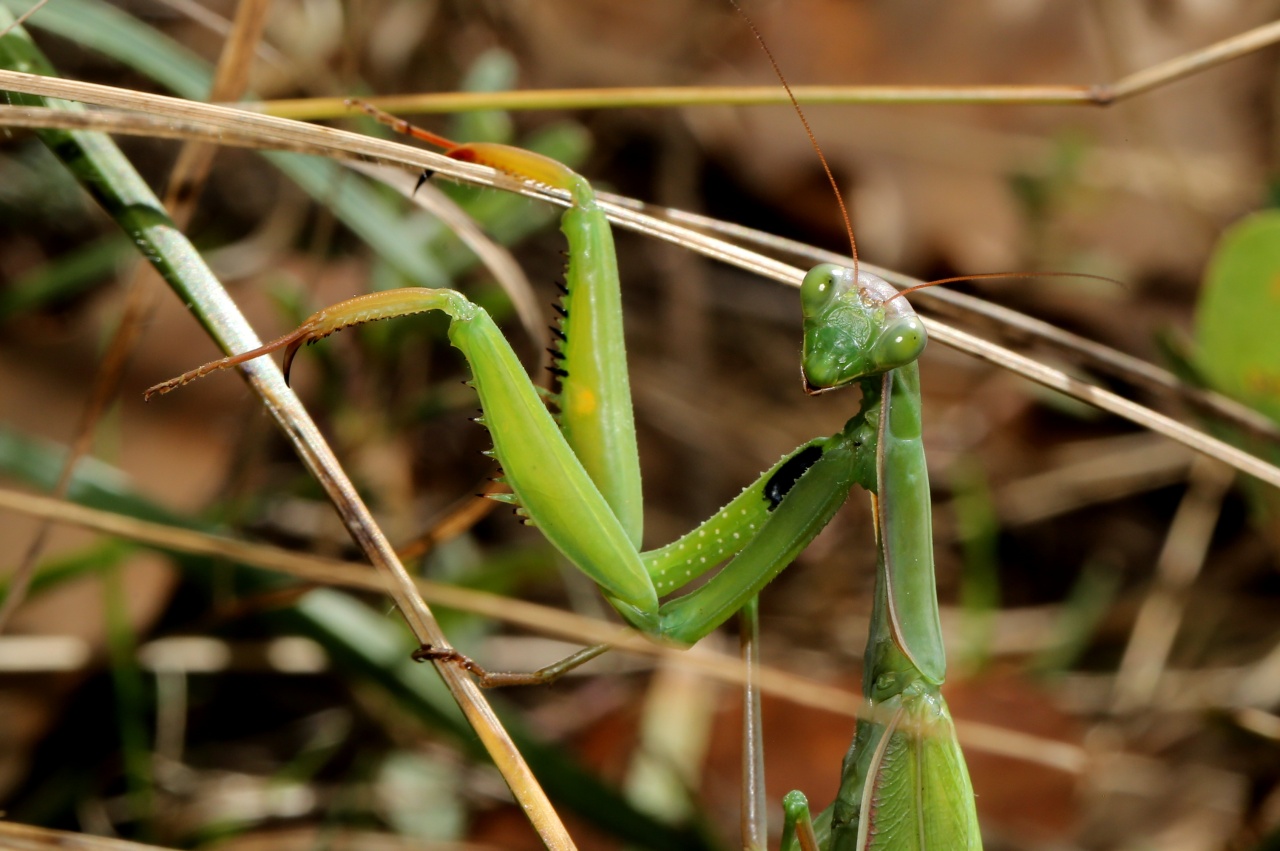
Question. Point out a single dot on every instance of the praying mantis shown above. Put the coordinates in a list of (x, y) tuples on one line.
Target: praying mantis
[(575, 476), (788, 444)]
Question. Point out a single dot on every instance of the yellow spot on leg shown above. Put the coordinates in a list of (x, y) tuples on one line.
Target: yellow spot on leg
[(583, 402)]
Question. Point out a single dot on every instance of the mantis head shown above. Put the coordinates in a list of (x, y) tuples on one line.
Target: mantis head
[(854, 328)]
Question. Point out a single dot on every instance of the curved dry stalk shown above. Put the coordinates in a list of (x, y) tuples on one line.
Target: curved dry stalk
[(670, 97), (339, 143), (27, 837), (1059, 755), (287, 409), (1043, 374), (159, 126), (1088, 353), (1098, 94)]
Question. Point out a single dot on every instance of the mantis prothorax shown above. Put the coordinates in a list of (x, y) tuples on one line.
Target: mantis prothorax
[(576, 477)]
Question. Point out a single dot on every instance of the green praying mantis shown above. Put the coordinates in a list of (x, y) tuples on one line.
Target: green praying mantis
[(575, 476)]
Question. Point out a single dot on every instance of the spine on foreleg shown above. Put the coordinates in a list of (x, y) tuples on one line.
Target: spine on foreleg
[(595, 392), (726, 532)]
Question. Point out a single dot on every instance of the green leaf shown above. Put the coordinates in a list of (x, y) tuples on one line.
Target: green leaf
[(1239, 349)]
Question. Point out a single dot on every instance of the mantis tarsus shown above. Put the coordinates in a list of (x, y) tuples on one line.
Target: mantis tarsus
[(576, 477)]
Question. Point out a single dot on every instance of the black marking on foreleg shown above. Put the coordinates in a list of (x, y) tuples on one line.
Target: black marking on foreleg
[(781, 483)]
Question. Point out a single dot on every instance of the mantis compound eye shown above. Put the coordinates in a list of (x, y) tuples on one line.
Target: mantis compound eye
[(900, 343), (821, 285)]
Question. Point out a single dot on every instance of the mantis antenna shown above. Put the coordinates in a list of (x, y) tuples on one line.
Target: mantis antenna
[(989, 276), (844, 210), (813, 140)]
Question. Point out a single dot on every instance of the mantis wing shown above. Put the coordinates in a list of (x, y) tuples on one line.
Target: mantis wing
[(917, 793)]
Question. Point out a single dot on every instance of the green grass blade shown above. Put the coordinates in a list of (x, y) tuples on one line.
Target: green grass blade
[(108, 176), (72, 274), (112, 32), (132, 702), (373, 216)]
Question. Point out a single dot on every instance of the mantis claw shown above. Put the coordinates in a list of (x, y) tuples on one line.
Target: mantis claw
[(431, 653)]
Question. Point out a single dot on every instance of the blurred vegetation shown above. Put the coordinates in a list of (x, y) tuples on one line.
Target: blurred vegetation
[(1117, 596)]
